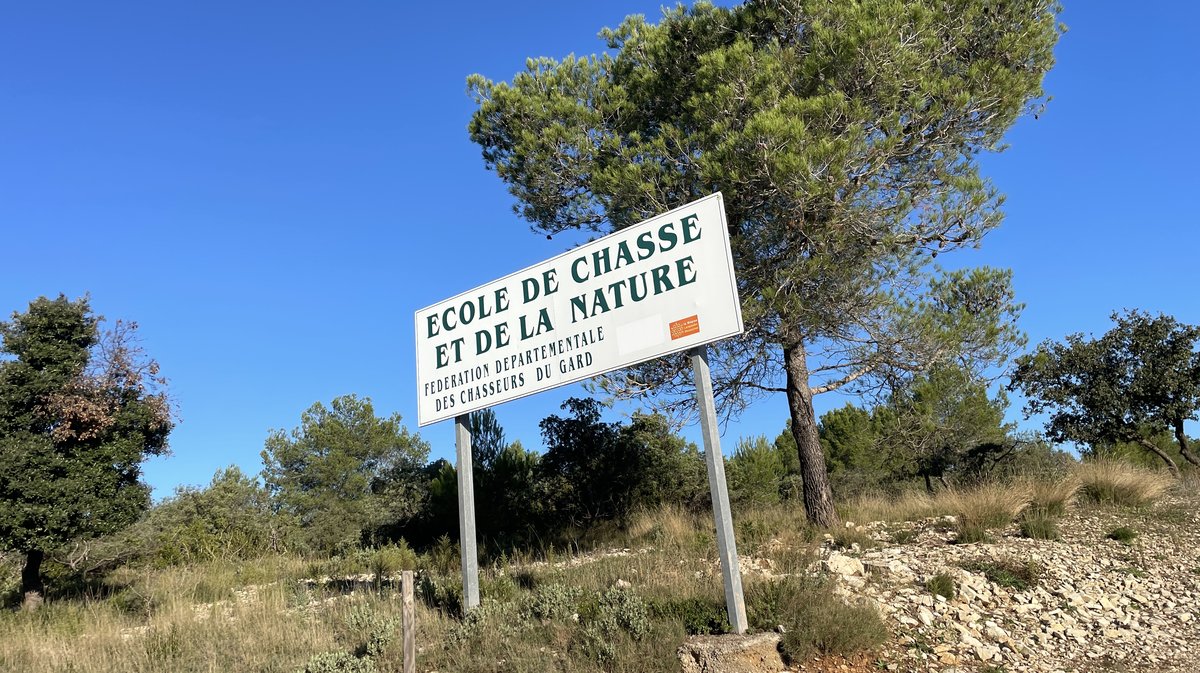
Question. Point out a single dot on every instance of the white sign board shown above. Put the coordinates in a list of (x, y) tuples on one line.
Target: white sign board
[(655, 288)]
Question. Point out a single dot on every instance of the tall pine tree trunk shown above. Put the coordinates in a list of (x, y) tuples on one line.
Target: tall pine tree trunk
[(1181, 439), (31, 580), (818, 496)]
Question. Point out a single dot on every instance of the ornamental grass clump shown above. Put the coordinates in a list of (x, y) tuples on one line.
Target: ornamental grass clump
[(985, 508), (1114, 482), (1052, 497)]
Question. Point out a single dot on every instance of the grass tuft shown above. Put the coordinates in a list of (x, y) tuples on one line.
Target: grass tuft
[(1052, 497), (1124, 535), (942, 584), (1039, 524), (1007, 572), (1113, 482)]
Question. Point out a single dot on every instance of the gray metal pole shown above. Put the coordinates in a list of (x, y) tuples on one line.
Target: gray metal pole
[(735, 602), (466, 514)]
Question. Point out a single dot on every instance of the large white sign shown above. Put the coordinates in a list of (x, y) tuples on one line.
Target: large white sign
[(658, 287)]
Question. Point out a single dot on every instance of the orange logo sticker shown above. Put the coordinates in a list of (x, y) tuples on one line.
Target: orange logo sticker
[(685, 327)]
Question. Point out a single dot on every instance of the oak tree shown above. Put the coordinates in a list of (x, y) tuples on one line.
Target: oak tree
[(80, 409), (1138, 381)]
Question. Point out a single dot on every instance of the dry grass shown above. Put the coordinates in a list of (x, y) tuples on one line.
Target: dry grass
[(1052, 497), (988, 506), (668, 526), (177, 635), (985, 508), (564, 613), (1114, 482), (910, 506)]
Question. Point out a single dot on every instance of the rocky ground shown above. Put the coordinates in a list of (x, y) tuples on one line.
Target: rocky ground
[(1096, 604)]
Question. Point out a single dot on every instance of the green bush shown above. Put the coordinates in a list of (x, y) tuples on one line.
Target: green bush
[(551, 602), (392, 558), (338, 662), (441, 592), (502, 588), (370, 633), (627, 610), (133, 603), (699, 616), (442, 558)]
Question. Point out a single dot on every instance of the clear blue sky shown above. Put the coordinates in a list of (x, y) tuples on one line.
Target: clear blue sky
[(271, 189)]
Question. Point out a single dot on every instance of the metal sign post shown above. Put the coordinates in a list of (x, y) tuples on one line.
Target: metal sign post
[(466, 513), (735, 602)]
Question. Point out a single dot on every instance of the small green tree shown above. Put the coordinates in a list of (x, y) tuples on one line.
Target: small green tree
[(670, 469), (1141, 379), (231, 518), (80, 409), (335, 473), (940, 422), (849, 440), (845, 137), (517, 511), (487, 439), (756, 473), (595, 471)]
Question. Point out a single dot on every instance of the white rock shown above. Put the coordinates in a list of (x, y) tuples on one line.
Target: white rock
[(925, 616), (846, 566)]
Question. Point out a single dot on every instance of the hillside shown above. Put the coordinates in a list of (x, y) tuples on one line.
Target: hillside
[(1091, 603), (863, 598)]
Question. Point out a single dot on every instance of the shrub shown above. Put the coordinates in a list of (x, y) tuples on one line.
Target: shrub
[(1124, 535), (904, 536), (441, 593), (699, 616), (627, 610), (338, 662), (370, 632), (942, 584), (815, 619), (1117, 483), (442, 558), (391, 559), (552, 602)]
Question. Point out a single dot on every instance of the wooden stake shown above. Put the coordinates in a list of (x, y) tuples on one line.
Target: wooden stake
[(409, 623)]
